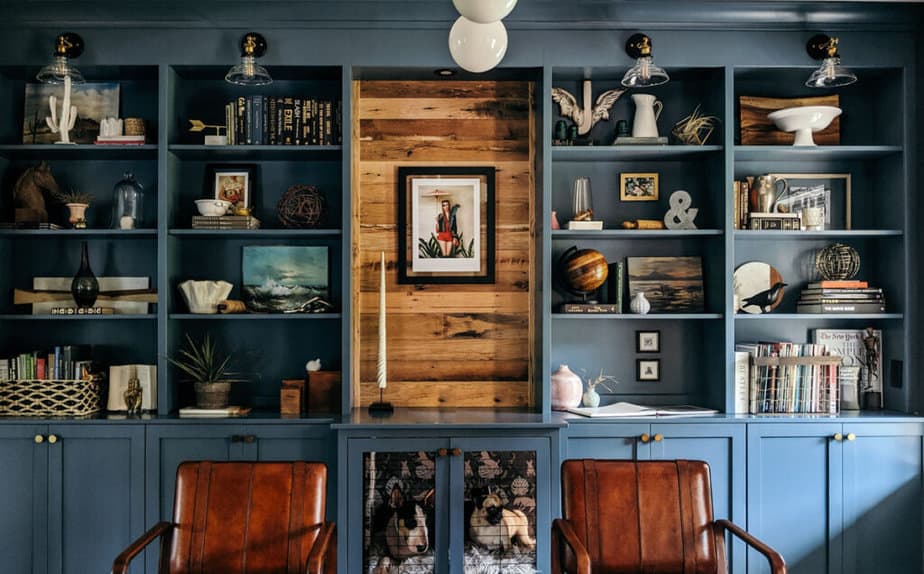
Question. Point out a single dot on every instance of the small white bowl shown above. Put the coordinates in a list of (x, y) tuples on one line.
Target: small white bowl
[(212, 207), (804, 121)]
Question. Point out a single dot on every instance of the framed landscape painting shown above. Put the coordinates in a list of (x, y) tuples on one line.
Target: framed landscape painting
[(445, 225), (671, 284), (285, 278)]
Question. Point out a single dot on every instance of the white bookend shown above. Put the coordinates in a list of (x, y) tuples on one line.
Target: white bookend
[(742, 382)]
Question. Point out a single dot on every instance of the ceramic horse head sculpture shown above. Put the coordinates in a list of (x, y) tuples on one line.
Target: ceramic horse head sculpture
[(28, 197)]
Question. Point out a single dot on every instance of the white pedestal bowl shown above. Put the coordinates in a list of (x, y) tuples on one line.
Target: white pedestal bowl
[(804, 121)]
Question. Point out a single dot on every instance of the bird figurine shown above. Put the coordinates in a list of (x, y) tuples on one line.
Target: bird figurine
[(587, 117), (765, 299)]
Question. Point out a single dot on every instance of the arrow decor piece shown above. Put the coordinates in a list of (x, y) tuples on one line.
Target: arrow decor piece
[(217, 139), (587, 117)]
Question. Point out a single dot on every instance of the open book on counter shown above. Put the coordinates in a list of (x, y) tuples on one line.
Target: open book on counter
[(623, 409)]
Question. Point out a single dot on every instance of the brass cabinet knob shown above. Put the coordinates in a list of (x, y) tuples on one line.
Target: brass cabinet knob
[(851, 436), (658, 437), (644, 438), (52, 439), (39, 439), (838, 436), (456, 451), (442, 452), (249, 439), (236, 438)]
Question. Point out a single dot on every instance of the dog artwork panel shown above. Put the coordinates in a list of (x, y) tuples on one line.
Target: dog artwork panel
[(494, 526)]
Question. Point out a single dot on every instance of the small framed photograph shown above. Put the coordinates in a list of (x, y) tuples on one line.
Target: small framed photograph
[(231, 182), (638, 186), (648, 369), (648, 341)]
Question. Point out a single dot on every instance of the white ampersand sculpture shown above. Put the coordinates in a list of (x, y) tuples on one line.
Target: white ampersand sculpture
[(65, 122)]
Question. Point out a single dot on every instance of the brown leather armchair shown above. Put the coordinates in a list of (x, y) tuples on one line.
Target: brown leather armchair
[(651, 516), (237, 517)]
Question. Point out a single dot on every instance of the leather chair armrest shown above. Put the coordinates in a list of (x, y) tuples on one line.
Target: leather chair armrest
[(562, 528), (319, 558), (159, 530), (777, 564)]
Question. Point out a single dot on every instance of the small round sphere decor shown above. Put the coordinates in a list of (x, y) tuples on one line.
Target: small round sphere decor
[(301, 206), (837, 262)]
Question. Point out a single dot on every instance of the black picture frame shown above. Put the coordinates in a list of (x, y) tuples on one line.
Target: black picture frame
[(639, 335), (214, 170), (412, 181), (647, 378)]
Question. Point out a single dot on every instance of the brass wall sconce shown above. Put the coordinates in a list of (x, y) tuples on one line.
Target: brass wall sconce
[(831, 74), (644, 73), (249, 72)]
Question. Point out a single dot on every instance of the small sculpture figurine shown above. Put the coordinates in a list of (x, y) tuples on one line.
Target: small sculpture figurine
[(681, 214), (28, 199), (871, 342), (133, 395), (64, 123), (217, 139), (587, 117)]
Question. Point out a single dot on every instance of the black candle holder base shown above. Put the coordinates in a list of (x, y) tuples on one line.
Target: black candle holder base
[(381, 409)]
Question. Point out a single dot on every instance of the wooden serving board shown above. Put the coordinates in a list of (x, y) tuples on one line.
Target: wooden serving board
[(757, 129)]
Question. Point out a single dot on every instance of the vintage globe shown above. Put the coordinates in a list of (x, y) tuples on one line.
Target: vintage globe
[(583, 270)]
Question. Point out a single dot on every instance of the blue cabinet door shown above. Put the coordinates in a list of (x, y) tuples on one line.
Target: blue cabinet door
[(882, 498), (794, 495), (169, 445), (24, 504), (722, 446), (611, 441), (95, 495), (517, 471), (296, 442)]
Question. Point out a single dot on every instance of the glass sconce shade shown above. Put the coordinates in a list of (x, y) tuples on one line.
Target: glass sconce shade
[(831, 75), (248, 73), (477, 47), (58, 70), (645, 73)]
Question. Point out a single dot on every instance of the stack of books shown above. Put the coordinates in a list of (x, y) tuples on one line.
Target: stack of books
[(29, 225), (849, 296), (269, 120), (61, 363), (225, 222), (120, 140)]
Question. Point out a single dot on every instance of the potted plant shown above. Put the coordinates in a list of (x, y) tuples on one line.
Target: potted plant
[(77, 203), (209, 372)]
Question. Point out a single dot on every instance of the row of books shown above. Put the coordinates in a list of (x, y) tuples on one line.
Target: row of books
[(67, 362), (270, 120), (782, 377), (848, 297)]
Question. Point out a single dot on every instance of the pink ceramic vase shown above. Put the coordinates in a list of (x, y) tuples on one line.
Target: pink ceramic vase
[(567, 389)]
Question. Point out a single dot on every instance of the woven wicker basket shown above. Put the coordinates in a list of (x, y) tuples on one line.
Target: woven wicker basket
[(38, 398)]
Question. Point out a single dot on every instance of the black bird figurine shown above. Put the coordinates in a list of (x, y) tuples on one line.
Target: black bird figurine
[(765, 298)]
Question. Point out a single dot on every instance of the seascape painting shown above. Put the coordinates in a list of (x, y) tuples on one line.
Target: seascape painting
[(94, 101), (671, 284), (286, 279)]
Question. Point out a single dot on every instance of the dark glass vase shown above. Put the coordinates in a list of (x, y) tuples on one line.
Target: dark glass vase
[(84, 287)]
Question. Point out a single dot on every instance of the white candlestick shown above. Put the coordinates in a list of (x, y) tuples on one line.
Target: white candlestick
[(381, 365)]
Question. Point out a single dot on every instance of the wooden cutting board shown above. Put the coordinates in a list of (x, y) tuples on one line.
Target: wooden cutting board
[(757, 129)]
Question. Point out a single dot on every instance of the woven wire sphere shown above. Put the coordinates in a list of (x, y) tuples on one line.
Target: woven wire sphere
[(301, 206), (837, 262)]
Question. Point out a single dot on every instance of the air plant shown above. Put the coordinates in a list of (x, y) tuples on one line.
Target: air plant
[(74, 196), (601, 380), (695, 129)]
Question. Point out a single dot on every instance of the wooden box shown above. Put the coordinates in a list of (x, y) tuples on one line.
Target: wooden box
[(299, 386), (323, 392), (757, 129), (290, 401)]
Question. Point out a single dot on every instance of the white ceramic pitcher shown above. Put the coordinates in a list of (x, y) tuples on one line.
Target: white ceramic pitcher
[(645, 124)]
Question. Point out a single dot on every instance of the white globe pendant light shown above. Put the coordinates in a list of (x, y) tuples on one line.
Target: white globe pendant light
[(484, 11), (477, 47)]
